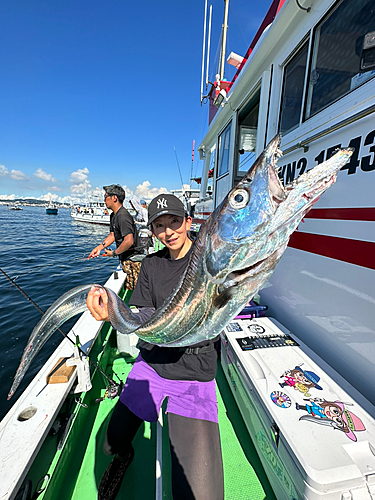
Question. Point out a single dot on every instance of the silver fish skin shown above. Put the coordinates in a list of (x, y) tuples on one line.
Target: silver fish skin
[(235, 253), (237, 250), (68, 305)]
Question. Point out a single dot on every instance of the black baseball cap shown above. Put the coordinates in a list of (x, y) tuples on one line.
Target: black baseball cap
[(165, 204)]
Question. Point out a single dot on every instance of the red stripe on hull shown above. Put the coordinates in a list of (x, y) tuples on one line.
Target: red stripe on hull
[(360, 214), (360, 253)]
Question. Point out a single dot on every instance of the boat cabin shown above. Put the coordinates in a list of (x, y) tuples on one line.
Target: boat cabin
[(309, 75)]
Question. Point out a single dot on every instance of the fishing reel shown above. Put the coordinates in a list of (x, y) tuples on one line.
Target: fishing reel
[(111, 391)]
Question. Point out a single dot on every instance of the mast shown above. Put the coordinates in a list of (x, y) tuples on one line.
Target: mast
[(224, 42)]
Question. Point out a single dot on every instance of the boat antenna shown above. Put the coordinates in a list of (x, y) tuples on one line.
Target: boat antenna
[(204, 46), (112, 382), (192, 161), (208, 45), (224, 38)]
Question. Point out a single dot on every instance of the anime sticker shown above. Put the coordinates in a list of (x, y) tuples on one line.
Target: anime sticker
[(332, 414), (281, 399), (301, 380)]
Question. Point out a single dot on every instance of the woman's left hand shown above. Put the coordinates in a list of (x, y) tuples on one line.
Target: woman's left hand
[(97, 303)]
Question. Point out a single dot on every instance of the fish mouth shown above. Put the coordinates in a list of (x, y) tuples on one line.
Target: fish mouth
[(276, 191), (261, 266)]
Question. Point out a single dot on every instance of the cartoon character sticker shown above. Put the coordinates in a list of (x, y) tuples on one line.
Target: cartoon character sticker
[(301, 380), (281, 399), (332, 414)]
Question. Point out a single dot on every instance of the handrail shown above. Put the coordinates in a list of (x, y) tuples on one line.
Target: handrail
[(304, 144)]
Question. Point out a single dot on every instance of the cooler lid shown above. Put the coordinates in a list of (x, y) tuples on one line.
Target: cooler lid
[(329, 436)]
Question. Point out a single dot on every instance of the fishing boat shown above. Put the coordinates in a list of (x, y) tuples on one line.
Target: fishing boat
[(59, 433), (308, 74), (51, 208), (93, 212), (295, 391)]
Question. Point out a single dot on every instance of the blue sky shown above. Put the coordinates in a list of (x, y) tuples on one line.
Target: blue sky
[(100, 92)]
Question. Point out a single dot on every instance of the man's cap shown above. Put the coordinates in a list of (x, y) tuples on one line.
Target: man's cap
[(143, 202), (165, 204), (114, 189)]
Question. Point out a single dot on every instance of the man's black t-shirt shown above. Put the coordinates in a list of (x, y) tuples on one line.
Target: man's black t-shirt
[(122, 224), (158, 277)]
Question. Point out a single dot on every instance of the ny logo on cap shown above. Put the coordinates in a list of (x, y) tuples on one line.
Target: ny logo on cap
[(162, 203)]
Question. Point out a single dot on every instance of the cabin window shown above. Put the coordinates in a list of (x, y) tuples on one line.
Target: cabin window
[(337, 48), (224, 147), (247, 138), (211, 172), (222, 189), (293, 85)]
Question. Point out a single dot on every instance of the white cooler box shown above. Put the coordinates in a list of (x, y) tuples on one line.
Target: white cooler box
[(314, 441)]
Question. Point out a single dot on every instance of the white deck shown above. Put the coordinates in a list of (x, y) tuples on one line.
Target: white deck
[(20, 441)]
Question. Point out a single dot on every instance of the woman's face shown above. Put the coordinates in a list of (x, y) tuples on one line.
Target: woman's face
[(172, 231)]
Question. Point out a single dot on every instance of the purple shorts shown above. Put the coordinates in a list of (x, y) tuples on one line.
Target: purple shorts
[(144, 392)]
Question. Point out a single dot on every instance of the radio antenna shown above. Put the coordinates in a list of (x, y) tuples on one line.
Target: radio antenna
[(208, 45), (204, 46)]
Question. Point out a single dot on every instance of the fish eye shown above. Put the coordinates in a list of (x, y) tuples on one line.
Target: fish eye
[(239, 198)]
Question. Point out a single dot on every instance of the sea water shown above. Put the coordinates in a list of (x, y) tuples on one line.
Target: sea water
[(47, 256)]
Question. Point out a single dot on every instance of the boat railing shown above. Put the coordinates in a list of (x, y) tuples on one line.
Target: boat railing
[(33, 414), (343, 123)]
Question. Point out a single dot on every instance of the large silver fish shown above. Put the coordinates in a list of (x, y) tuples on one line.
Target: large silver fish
[(235, 253)]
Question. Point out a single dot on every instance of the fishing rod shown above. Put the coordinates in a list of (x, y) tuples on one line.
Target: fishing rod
[(111, 381)]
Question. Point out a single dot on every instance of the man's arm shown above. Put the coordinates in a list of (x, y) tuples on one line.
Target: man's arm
[(127, 242), (106, 242)]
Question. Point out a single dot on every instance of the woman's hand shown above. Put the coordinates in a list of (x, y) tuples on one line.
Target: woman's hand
[(97, 303)]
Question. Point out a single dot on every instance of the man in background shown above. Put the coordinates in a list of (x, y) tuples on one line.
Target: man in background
[(122, 231)]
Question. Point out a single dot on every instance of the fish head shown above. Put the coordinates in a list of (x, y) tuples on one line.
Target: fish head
[(257, 217)]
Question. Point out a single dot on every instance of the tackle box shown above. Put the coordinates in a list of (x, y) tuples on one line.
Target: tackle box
[(314, 440)]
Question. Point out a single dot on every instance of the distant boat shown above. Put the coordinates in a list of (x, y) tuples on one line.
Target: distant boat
[(94, 212), (51, 209), (15, 207)]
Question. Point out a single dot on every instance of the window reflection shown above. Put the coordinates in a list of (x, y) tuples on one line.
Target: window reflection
[(294, 78), (224, 146), (338, 43)]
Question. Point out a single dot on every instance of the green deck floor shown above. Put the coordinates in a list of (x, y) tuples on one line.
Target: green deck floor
[(76, 470), (243, 473)]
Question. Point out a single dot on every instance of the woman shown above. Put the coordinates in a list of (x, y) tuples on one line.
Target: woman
[(183, 375)]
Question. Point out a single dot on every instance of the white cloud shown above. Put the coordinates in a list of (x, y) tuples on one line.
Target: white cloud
[(54, 188), (144, 191), (82, 188), (79, 175), (41, 174), (128, 192), (49, 196), (3, 170), (8, 196), (18, 175)]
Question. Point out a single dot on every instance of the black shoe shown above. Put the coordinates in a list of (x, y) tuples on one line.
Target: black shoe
[(112, 478)]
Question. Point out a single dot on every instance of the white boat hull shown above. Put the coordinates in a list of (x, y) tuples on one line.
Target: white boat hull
[(91, 218)]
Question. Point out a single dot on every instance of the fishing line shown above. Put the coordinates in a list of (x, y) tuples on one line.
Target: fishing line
[(178, 165), (35, 268), (112, 382)]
